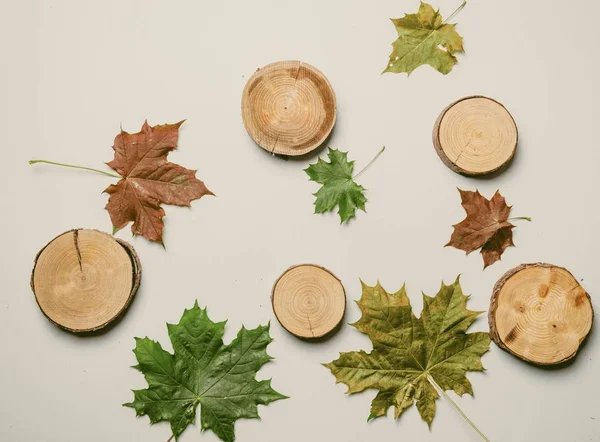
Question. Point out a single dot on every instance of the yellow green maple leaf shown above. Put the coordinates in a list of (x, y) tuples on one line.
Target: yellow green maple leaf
[(423, 38), (412, 357)]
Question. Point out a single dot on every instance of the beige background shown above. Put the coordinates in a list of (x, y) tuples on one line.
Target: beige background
[(73, 71)]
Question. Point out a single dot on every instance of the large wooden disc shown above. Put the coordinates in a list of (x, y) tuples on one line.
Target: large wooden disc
[(540, 313), (309, 301), (84, 279), (288, 108), (475, 136)]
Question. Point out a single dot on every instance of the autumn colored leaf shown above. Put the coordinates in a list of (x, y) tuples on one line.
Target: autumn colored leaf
[(493, 249), (487, 226), (203, 373), (149, 180), (423, 38), (413, 359), (146, 180)]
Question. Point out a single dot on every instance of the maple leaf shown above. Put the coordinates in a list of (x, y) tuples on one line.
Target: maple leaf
[(339, 188), (148, 180), (412, 357), (420, 38), (205, 373), (493, 249), (486, 225)]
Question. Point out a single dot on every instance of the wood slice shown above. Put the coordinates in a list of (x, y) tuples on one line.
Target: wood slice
[(309, 301), (288, 108), (475, 136), (540, 313), (84, 279)]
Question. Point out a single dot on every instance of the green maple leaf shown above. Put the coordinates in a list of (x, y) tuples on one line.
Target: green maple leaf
[(203, 372), (412, 357), (339, 189), (420, 36)]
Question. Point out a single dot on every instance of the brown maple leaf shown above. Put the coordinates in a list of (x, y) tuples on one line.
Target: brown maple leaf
[(148, 180), (497, 244), (486, 226)]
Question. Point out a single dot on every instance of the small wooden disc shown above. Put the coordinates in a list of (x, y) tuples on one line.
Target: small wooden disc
[(540, 313), (288, 108), (475, 136), (84, 279), (309, 301)]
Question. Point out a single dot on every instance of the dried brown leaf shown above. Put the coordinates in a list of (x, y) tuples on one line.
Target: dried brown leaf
[(149, 180), (486, 226), (493, 249)]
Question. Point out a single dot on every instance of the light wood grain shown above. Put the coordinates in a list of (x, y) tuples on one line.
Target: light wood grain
[(475, 136), (289, 108), (309, 301), (540, 313), (85, 279)]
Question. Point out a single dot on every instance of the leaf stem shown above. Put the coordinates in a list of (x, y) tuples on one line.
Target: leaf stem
[(457, 408), (456, 11), (171, 438), (525, 218), (76, 167), (370, 163)]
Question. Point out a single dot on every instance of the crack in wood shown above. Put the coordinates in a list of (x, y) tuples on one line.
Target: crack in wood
[(76, 242), (310, 326)]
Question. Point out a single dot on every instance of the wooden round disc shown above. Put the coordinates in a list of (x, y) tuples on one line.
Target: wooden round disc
[(475, 136), (84, 279), (309, 301), (540, 313), (288, 108)]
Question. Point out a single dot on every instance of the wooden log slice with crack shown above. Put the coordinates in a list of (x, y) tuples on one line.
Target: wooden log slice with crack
[(540, 313), (85, 279), (309, 301), (288, 108), (475, 136)]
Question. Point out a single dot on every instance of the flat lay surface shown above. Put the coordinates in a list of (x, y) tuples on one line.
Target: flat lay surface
[(75, 72)]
